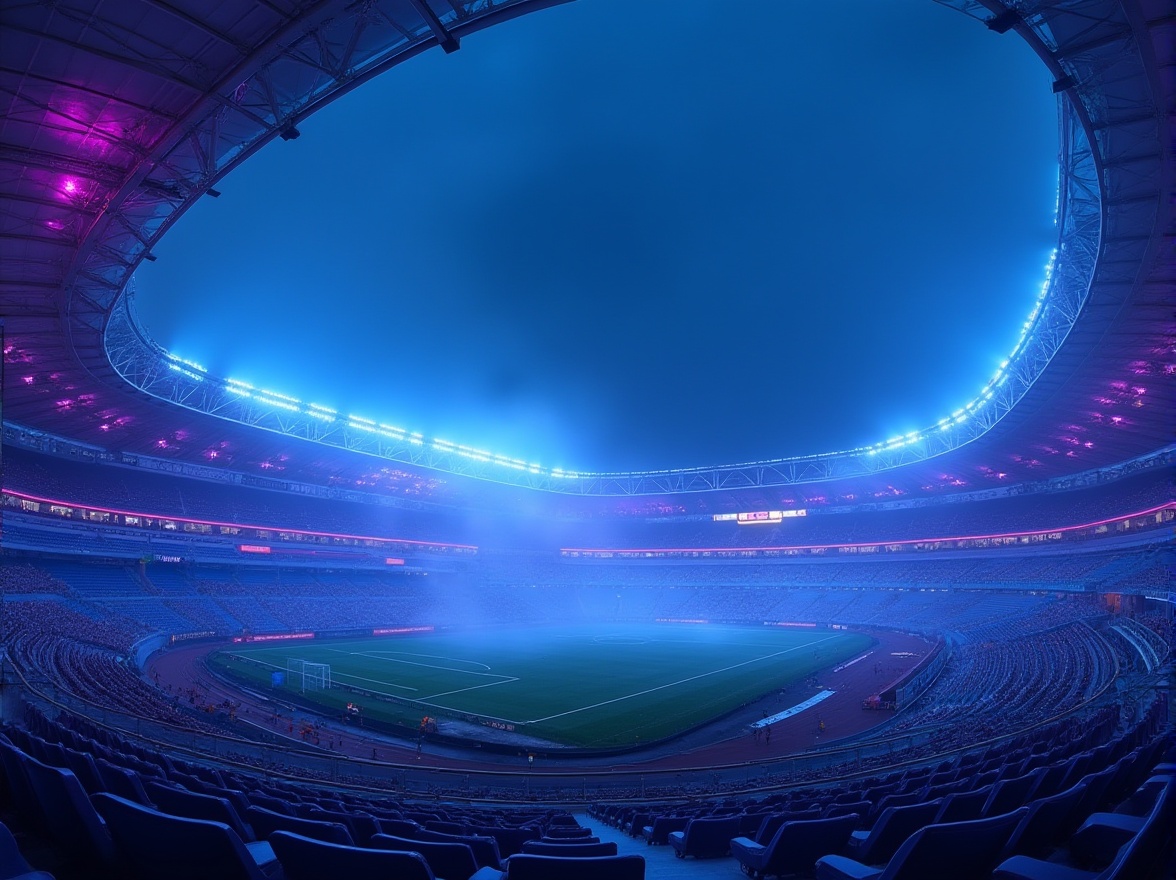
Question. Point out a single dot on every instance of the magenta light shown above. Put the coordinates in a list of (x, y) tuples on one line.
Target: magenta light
[(1102, 522), (71, 185), (209, 522)]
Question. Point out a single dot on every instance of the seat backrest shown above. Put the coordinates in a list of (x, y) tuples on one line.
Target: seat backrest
[(305, 858), (265, 822), (1009, 794), (485, 849), (12, 863), (963, 806), (19, 787), (893, 827), (162, 847), (524, 866), (177, 802), (542, 848), (69, 816), (1140, 854), (708, 838), (1040, 827), (121, 781), (453, 861), (85, 770), (960, 850), (797, 845)]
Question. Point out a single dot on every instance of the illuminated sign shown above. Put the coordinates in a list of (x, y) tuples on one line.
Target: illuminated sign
[(271, 637), (759, 516), (392, 560), (397, 630), (253, 548)]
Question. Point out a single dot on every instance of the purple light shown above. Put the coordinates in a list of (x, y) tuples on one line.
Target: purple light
[(71, 185), (1102, 522), (55, 225), (212, 522)]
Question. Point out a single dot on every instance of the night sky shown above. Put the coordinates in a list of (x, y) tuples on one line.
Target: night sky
[(617, 235)]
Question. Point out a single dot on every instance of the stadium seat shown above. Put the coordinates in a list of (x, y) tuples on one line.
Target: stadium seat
[(522, 866), (705, 838), (658, 833), (265, 822), (1041, 826), (69, 816), (448, 861), (177, 802), (306, 858), (1102, 834), (795, 847), (569, 848), (13, 865), (160, 847), (893, 827), (484, 848), (1137, 858), (959, 850)]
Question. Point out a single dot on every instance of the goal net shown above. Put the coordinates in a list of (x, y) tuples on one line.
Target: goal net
[(308, 676)]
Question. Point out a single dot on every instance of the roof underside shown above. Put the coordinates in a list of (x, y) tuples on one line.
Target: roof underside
[(119, 114)]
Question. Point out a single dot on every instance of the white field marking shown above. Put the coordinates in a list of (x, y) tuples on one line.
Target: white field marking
[(675, 683), (414, 663), (375, 656), (333, 675), (489, 684)]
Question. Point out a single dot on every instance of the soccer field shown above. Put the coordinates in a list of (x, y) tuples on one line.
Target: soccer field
[(589, 686)]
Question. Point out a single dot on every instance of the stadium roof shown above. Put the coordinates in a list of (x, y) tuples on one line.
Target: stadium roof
[(119, 115)]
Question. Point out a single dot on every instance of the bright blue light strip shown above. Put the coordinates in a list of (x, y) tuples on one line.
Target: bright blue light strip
[(273, 399)]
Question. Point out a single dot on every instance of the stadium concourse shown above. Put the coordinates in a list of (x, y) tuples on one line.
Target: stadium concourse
[(946, 654)]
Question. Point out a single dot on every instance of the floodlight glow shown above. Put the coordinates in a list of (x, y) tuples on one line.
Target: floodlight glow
[(186, 372), (239, 383), (326, 417), (280, 404), (361, 419), (281, 396), (323, 409)]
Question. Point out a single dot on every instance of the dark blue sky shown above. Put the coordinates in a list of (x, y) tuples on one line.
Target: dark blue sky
[(640, 235)]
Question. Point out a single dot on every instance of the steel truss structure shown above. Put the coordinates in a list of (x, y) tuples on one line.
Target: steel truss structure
[(93, 175)]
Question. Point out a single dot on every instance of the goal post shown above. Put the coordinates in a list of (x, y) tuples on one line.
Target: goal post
[(308, 676)]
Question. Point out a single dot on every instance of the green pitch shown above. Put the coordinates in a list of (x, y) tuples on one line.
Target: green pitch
[(589, 686)]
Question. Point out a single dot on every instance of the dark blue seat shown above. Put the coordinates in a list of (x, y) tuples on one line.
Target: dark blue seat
[(795, 847), (305, 858), (893, 827), (265, 822), (160, 847), (1102, 834), (13, 865), (484, 848), (70, 818), (523, 866), (448, 861), (959, 850), (190, 805), (122, 782), (1041, 827), (1009, 794), (705, 838), (1138, 857), (963, 806), (569, 848), (658, 833)]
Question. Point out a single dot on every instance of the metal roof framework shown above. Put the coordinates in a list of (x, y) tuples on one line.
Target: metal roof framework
[(119, 115)]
